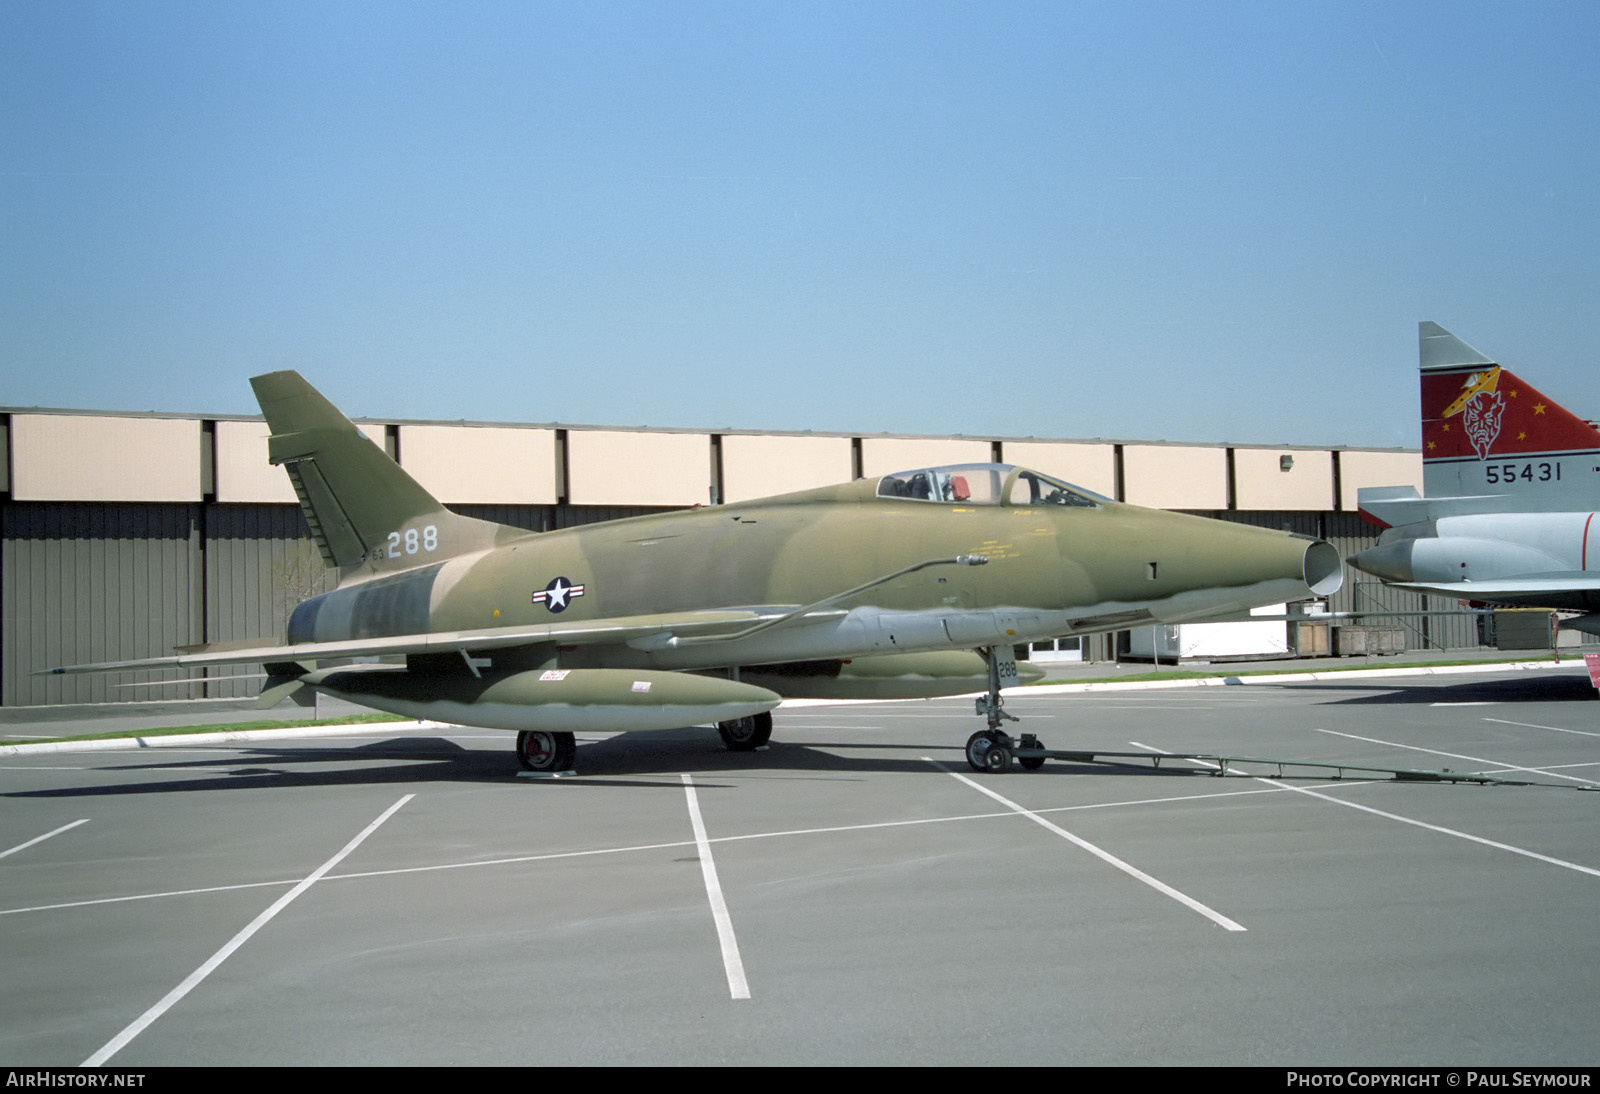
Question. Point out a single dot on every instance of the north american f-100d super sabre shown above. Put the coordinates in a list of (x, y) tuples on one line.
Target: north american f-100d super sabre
[(878, 587)]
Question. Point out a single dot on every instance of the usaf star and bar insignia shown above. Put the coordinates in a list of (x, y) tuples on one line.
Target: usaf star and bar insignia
[(558, 595)]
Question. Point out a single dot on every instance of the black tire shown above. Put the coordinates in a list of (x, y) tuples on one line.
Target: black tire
[(546, 752), (746, 734), (1031, 763), (979, 747)]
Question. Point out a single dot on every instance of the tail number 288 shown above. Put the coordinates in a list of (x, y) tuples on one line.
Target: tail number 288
[(412, 540)]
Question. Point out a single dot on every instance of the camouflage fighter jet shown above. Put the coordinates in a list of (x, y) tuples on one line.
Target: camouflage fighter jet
[(886, 586)]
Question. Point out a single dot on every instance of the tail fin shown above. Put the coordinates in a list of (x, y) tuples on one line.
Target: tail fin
[(1487, 432), (365, 512)]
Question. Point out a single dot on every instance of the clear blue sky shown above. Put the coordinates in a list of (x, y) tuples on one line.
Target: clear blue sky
[(1195, 221)]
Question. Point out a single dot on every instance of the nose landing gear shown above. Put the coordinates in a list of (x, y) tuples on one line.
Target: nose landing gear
[(991, 750)]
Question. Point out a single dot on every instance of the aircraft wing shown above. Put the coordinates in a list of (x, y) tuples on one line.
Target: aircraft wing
[(648, 629), (1542, 592)]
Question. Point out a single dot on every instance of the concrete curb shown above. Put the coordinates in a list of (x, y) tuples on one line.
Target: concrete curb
[(1291, 677)]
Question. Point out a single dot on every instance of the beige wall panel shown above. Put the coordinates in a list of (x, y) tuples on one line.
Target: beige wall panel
[(882, 455), (1260, 482), (607, 467), (1093, 466), (1175, 476), (759, 466), (467, 465), (1358, 469), (81, 457), (243, 473)]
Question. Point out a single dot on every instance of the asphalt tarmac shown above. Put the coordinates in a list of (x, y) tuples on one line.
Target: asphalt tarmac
[(852, 895)]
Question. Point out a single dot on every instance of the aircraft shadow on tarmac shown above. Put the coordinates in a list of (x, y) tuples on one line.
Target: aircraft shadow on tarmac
[(646, 760), (1532, 688)]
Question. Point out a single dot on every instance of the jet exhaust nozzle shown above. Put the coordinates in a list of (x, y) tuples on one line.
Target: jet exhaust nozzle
[(1322, 569)]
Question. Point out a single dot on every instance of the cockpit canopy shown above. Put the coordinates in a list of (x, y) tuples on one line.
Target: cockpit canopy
[(985, 484)]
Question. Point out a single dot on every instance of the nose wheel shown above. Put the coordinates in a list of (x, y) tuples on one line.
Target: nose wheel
[(991, 752), (988, 751)]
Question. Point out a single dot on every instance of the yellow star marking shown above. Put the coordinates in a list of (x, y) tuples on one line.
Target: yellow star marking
[(1431, 446), (1446, 427), (1522, 436), (1538, 408)]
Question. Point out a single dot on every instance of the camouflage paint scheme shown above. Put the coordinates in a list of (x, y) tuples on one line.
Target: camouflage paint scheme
[(661, 621)]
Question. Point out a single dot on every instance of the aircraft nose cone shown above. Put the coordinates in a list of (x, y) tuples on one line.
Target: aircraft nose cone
[(1387, 561)]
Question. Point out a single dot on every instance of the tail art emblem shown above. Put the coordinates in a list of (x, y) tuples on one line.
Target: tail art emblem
[(1481, 408), (557, 595)]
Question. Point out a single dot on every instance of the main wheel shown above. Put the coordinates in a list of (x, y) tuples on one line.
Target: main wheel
[(546, 752), (747, 734), (986, 751)]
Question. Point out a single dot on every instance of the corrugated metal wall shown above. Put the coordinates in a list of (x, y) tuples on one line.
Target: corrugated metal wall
[(84, 582), (259, 563), (95, 581)]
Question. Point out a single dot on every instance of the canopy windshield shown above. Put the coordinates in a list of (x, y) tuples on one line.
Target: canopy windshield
[(1032, 488), (970, 484), (984, 484)]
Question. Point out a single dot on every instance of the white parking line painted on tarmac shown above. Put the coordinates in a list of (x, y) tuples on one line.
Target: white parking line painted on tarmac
[(732, 963), (41, 839), (1415, 823), (1552, 729), (1496, 764), (141, 1023), (147, 896), (1591, 871), (787, 833), (1105, 856)]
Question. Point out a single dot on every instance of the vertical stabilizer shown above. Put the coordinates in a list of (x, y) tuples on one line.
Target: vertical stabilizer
[(366, 514), (1438, 348), (1486, 432)]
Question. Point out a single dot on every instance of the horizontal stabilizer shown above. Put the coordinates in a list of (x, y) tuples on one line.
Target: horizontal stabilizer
[(1397, 506)]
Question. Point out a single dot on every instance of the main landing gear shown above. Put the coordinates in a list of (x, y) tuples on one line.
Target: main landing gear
[(546, 753), (991, 750), (746, 734)]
